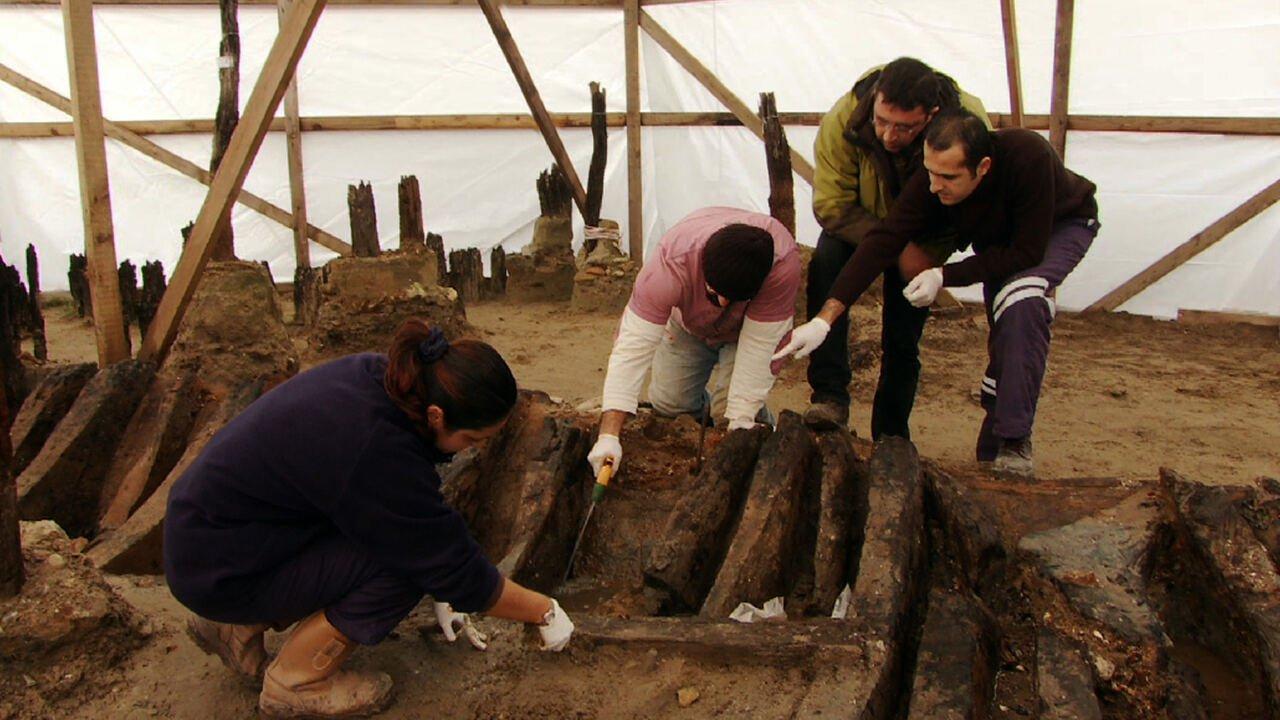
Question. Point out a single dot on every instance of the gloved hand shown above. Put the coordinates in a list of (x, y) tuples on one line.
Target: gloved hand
[(451, 622), (921, 291), (556, 628), (805, 339), (741, 424), (606, 447)]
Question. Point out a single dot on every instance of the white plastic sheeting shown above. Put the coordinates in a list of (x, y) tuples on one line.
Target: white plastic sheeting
[(1139, 57)]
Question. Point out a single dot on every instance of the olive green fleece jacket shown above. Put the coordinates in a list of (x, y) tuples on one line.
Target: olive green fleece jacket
[(855, 181)]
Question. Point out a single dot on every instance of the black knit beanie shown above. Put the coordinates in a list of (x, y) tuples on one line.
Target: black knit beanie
[(736, 260)]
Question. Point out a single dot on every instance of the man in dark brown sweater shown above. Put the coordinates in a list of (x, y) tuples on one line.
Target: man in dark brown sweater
[(1029, 219)]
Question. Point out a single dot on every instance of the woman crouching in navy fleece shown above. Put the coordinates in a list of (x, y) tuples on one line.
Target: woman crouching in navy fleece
[(320, 504)]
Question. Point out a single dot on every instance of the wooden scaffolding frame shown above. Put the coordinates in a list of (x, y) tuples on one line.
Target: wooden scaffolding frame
[(276, 83)]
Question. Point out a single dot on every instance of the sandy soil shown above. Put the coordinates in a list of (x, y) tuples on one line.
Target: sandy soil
[(1124, 395)]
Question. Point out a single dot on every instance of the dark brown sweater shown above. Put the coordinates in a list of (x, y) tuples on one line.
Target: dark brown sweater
[(1007, 219)]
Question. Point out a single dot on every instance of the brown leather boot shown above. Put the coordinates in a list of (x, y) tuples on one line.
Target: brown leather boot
[(239, 646), (305, 680)]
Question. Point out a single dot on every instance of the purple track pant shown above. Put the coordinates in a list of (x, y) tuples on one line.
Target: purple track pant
[(1019, 311)]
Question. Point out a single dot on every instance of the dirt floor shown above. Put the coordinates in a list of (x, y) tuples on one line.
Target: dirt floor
[(1124, 396)]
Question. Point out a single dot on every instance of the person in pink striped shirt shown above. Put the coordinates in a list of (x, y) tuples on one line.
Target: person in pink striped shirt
[(719, 291)]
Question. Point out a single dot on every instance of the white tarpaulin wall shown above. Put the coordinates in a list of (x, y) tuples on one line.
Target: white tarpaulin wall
[(1172, 57)]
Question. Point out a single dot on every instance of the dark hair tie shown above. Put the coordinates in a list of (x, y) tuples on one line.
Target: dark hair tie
[(434, 347)]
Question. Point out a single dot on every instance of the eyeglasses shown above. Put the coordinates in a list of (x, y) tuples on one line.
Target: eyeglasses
[(897, 127), (716, 298)]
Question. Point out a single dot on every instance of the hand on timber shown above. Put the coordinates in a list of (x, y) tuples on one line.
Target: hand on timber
[(741, 424), (556, 628), (607, 447), (921, 291), (805, 339), (452, 622)]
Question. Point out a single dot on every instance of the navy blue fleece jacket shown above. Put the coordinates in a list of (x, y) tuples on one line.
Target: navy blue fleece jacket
[(326, 452)]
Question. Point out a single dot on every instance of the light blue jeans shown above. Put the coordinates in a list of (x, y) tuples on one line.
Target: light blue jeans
[(686, 372)]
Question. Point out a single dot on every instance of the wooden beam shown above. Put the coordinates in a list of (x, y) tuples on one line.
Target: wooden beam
[(280, 64), (694, 67), (435, 3), (530, 91), (1013, 67), (635, 180), (122, 133), (293, 146), (1210, 317), (95, 192), (341, 123), (1061, 77), (1200, 242)]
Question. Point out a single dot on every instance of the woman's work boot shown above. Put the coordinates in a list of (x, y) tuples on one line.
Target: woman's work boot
[(239, 646), (305, 679)]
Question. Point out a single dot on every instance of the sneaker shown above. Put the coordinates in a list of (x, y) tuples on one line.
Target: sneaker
[(1014, 459), (826, 416)]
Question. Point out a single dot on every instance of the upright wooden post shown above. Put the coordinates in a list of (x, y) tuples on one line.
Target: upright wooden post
[(293, 144), (364, 220), (635, 184), (1061, 77), (531, 96), (95, 192), (412, 230), (224, 122), (39, 347), (599, 157), (1013, 67), (281, 61), (777, 156)]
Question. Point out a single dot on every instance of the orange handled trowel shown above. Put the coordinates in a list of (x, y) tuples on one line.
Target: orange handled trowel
[(597, 492)]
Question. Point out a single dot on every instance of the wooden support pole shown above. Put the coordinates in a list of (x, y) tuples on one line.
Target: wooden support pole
[(413, 234), (1203, 124), (777, 156), (228, 114), (95, 193), (129, 297), (153, 285), (364, 220), (293, 145), (635, 182), (1013, 66), (39, 347), (531, 96), (121, 132), (694, 67), (1200, 242), (599, 157), (263, 101), (1061, 77)]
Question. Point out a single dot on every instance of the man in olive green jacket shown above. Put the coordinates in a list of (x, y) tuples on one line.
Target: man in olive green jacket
[(869, 144)]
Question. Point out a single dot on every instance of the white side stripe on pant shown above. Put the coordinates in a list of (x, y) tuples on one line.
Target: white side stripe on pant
[(988, 385), (1023, 294), (1022, 282)]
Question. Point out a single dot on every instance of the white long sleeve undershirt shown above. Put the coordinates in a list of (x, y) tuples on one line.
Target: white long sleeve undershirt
[(632, 354), (752, 377)]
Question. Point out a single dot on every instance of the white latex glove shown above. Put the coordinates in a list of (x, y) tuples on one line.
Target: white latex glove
[(805, 339), (451, 622), (556, 628), (924, 287), (606, 447), (741, 424)]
